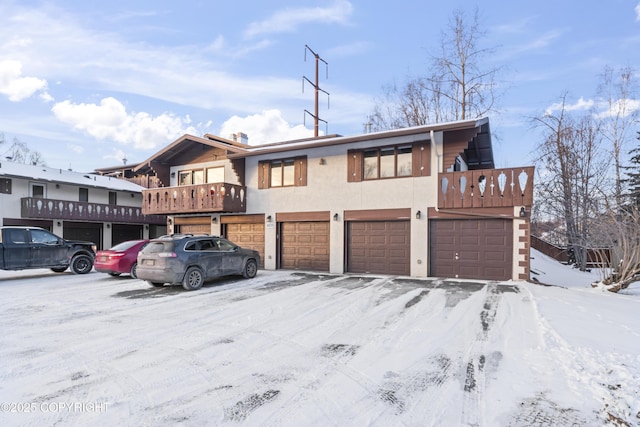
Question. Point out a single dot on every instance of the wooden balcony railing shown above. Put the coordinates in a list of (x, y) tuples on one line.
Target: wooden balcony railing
[(486, 188), (32, 207), (201, 198)]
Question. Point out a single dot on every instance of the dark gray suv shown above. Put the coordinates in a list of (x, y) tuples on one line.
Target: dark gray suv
[(191, 260)]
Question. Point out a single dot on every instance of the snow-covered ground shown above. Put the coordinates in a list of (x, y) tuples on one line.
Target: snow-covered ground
[(296, 349)]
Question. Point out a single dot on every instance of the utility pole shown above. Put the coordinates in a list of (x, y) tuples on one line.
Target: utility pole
[(316, 86)]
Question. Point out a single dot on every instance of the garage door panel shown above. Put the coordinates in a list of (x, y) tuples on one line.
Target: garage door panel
[(483, 248), (304, 245), (378, 247), (248, 235)]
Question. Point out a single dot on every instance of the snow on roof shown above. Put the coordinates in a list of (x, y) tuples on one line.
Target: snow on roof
[(63, 176)]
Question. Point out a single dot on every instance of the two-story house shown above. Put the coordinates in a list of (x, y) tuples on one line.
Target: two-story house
[(101, 209), (425, 201)]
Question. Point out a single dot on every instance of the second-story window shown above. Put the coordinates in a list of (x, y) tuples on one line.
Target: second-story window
[(389, 162), (282, 173), (113, 198), (192, 177), (37, 191), (215, 174), (83, 194)]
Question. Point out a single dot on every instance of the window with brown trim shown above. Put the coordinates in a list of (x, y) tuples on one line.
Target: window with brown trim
[(291, 172), (191, 177), (389, 162)]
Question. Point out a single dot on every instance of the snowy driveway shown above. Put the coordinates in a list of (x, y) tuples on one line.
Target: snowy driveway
[(285, 348)]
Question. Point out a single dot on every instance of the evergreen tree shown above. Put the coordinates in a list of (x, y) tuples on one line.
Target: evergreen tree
[(634, 174)]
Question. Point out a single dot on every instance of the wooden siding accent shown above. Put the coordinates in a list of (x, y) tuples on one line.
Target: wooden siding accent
[(354, 165), (506, 212), (241, 219), (454, 144), (264, 174), (421, 159), (501, 188), (238, 166), (192, 220), (303, 216), (84, 211), (201, 198), (300, 171), (377, 214)]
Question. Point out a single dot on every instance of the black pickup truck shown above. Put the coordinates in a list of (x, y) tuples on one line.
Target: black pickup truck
[(24, 248)]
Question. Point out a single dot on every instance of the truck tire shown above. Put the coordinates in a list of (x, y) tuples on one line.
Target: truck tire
[(81, 264)]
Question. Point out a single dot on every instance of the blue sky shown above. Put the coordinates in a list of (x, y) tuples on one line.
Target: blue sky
[(90, 83)]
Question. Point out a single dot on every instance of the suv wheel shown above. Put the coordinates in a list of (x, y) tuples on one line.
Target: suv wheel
[(81, 264), (250, 269), (193, 279)]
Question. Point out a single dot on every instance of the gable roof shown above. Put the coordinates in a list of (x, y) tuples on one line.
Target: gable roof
[(186, 143)]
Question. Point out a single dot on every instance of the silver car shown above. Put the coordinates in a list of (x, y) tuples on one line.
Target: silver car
[(191, 260)]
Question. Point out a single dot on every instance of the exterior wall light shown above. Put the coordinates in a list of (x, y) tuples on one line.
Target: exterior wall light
[(418, 215), (269, 218), (335, 217), (214, 220), (523, 212)]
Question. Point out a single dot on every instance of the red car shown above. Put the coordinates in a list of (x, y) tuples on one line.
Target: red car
[(122, 258)]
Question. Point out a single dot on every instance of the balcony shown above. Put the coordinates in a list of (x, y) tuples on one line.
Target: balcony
[(83, 211), (200, 198), (486, 188)]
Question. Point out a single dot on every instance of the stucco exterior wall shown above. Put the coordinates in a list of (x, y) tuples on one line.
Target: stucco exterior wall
[(327, 189)]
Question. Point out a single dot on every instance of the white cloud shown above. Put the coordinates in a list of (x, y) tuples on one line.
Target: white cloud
[(269, 126), (638, 12), (16, 86), (581, 104), (619, 108), (110, 121), (289, 20)]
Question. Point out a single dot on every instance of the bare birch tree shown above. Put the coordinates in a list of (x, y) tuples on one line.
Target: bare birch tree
[(616, 93), (619, 257), (458, 86), (19, 152), (571, 172)]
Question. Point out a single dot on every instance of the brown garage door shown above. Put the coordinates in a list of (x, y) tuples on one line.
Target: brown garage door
[(471, 248), (249, 235), (304, 245), (379, 247)]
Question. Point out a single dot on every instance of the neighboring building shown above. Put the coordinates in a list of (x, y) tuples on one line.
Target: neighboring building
[(422, 201), (75, 205)]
